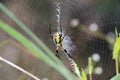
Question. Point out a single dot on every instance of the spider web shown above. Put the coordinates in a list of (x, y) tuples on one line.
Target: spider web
[(105, 15), (37, 14)]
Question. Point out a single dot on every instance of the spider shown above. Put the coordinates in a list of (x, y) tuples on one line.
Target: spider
[(57, 38)]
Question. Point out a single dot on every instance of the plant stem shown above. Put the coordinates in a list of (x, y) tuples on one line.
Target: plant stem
[(90, 66), (90, 76), (117, 66)]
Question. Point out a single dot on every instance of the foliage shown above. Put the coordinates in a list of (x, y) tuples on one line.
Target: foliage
[(116, 45), (117, 77), (81, 74), (90, 65), (84, 77)]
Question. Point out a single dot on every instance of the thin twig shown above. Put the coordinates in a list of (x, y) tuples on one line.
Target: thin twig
[(117, 66), (19, 68)]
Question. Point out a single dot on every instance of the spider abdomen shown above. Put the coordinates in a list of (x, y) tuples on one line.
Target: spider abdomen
[(57, 38)]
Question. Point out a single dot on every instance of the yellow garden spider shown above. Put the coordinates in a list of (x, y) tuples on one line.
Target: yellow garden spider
[(57, 38)]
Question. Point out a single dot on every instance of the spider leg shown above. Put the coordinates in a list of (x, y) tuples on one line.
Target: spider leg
[(57, 49), (50, 28), (66, 52), (64, 48), (57, 54), (63, 37), (50, 31), (61, 30)]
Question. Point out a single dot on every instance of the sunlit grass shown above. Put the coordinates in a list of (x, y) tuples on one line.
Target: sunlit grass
[(79, 72), (116, 51), (90, 67), (115, 54), (84, 77)]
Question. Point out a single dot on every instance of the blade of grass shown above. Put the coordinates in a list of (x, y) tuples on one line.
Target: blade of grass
[(116, 77), (116, 51), (117, 66), (116, 32), (24, 41), (90, 66), (76, 69), (30, 33), (84, 77)]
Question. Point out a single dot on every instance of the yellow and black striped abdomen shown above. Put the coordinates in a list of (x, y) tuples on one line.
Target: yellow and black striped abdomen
[(57, 38)]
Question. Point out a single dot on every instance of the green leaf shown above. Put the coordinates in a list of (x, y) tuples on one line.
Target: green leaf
[(117, 77), (116, 32), (90, 66), (116, 46), (76, 69), (84, 77), (80, 74)]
